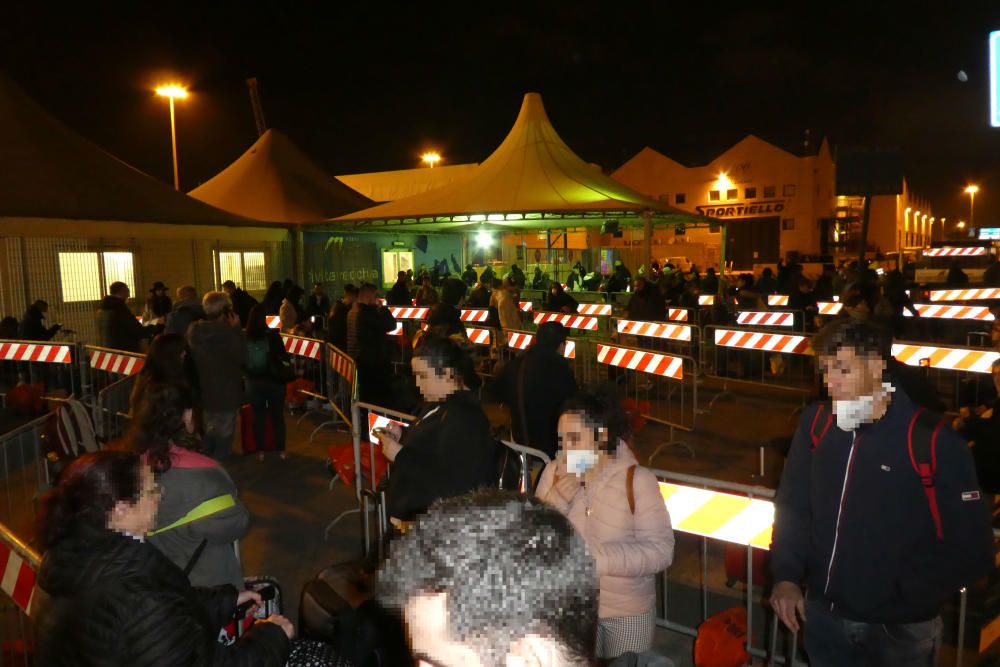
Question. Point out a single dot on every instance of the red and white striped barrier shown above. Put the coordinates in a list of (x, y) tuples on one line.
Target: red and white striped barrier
[(403, 313), (341, 363), (981, 294), (755, 340), (398, 331), (678, 314), (679, 332), (522, 341), (706, 300), (38, 352), (653, 363), (946, 312), (116, 362), (478, 336), (526, 306), (829, 307), (381, 301), (273, 321), (571, 321), (17, 578), (945, 358), (955, 251), (380, 421), (599, 309), (757, 318), (777, 299), (302, 347), (475, 315)]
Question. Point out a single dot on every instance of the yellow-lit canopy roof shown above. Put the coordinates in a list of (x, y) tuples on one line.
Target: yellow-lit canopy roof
[(533, 180), (385, 186), (274, 180)]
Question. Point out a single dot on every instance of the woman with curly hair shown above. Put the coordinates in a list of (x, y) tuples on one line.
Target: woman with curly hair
[(200, 515)]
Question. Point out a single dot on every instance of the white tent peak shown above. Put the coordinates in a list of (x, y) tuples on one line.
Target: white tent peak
[(274, 180)]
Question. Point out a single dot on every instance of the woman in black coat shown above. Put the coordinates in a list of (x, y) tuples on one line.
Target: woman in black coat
[(106, 597), (449, 450)]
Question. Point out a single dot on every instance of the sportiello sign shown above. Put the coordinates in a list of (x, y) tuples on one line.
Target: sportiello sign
[(763, 208)]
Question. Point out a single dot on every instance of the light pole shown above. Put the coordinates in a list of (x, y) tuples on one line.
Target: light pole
[(971, 190), (430, 158), (172, 92)]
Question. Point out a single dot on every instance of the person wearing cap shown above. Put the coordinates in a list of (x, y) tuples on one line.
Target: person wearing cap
[(158, 305), (534, 385)]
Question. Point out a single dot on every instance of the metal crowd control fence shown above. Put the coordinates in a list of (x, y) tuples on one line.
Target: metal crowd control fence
[(673, 337), (577, 351), (112, 377), (777, 300), (307, 356), (952, 312), (765, 358), (664, 387), (528, 457), (341, 386), (958, 373), (19, 565), (976, 294), (24, 474), (790, 319), (679, 315), (51, 364)]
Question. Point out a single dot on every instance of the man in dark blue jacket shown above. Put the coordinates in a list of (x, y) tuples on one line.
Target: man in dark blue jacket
[(878, 546)]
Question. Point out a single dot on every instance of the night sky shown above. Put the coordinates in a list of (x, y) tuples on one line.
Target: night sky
[(369, 89)]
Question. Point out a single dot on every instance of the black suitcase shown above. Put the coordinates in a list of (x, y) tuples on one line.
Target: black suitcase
[(338, 607)]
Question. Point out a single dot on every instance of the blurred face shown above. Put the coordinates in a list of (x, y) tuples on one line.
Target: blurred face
[(435, 386), (228, 289), (318, 290), (139, 517), (576, 431), (849, 375)]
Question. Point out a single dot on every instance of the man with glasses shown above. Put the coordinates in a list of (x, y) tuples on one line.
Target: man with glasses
[(879, 515)]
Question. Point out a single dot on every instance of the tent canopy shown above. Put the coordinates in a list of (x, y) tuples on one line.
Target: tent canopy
[(533, 180), (50, 171), (274, 180), (384, 186)]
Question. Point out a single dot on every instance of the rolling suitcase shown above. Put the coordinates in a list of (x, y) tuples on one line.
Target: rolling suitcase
[(247, 439)]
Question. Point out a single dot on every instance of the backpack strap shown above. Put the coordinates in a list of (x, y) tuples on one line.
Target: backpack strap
[(207, 508), (817, 437), (630, 488), (923, 457)]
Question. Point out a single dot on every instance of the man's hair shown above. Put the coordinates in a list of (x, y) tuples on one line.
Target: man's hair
[(215, 304), (189, 292), (550, 334), (452, 291), (367, 288), (229, 283), (350, 289), (862, 336), (117, 287), (510, 566), (40, 303)]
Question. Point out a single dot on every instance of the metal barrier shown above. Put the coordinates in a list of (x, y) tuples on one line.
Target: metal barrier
[(764, 358), (24, 474), (664, 387), (679, 314), (769, 318), (570, 321), (307, 356), (952, 312), (777, 299), (19, 565), (527, 456), (954, 370), (828, 308), (273, 321), (112, 377), (341, 386), (673, 337), (51, 364), (978, 294)]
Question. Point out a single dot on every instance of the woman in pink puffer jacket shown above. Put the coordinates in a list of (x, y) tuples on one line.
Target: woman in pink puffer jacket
[(629, 534)]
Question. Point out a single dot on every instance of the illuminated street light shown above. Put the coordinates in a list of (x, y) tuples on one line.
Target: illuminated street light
[(961, 224), (723, 183), (173, 92), (971, 190), (431, 158), (484, 240)]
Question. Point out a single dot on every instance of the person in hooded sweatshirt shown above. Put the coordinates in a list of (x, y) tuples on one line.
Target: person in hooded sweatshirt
[(616, 506), (117, 325), (106, 596)]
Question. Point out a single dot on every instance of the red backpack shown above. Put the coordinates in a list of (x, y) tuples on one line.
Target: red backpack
[(921, 442)]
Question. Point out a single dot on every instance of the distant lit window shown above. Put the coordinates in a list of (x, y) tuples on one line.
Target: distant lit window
[(788, 191), (788, 224), (732, 194), (750, 193), (85, 276), (247, 269), (769, 191), (680, 198), (713, 195)]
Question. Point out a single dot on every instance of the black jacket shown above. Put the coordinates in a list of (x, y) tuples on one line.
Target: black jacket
[(447, 452), (243, 303), (556, 302), (219, 351), (317, 307), (853, 522), (337, 331), (33, 326), (984, 434), (399, 295), (367, 326), (108, 599), (448, 318), (119, 330), (548, 382), (183, 315)]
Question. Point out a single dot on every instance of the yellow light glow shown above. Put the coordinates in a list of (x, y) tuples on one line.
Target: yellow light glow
[(484, 240), (961, 225), (431, 158), (723, 182), (172, 90), (971, 189)]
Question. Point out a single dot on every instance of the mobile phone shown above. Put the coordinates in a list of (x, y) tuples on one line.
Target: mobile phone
[(313, 319)]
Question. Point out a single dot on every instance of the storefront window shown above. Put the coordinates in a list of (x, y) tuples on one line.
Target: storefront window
[(732, 194), (713, 195), (769, 191), (750, 193), (679, 198)]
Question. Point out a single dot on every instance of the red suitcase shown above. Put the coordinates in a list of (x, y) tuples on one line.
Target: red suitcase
[(250, 445)]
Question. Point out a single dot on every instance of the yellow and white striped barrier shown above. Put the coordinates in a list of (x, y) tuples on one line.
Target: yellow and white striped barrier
[(755, 340), (679, 332), (663, 365), (947, 312), (955, 251), (763, 318), (721, 516), (777, 299), (678, 314), (980, 294), (830, 307), (273, 321), (599, 309), (945, 358), (706, 300), (403, 313), (588, 323)]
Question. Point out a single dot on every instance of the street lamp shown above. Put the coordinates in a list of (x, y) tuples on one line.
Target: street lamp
[(971, 190), (430, 158), (172, 92)]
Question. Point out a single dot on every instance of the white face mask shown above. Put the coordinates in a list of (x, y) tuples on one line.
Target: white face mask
[(852, 413), (579, 461)]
